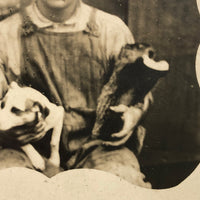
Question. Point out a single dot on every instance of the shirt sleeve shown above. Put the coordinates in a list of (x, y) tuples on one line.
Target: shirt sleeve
[(9, 51), (118, 35), (3, 80), (3, 63), (3, 83)]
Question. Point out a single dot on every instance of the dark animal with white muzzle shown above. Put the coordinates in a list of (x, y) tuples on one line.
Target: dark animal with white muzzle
[(134, 75)]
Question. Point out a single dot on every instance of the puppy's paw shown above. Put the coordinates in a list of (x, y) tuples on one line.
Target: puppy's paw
[(38, 163), (55, 160), (51, 170)]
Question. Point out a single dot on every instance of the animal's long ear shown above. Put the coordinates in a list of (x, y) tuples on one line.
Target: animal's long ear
[(43, 109), (14, 85)]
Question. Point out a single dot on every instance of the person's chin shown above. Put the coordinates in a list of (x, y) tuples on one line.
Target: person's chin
[(58, 4)]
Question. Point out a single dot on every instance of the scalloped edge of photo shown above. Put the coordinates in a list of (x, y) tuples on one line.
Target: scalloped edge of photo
[(25, 184), (198, 64), (92, 184), (198, 5)]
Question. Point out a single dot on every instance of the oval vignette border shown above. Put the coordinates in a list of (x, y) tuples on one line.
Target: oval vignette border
[(198, 65)]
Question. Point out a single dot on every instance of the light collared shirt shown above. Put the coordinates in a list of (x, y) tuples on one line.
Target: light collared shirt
[(114, 33), (76, 22)]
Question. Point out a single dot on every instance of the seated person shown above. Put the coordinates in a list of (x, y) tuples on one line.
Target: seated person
[(66, 50)]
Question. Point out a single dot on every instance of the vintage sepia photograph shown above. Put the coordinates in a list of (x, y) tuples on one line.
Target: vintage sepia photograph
[(101, 92)]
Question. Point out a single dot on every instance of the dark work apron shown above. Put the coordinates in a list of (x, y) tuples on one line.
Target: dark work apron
[(68, 68)]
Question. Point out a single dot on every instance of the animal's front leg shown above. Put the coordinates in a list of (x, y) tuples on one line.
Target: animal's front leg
[(55, 157), (36, 159), (55, 141)]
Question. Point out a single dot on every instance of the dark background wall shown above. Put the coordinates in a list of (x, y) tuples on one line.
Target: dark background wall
[(172, 27), (172, 145), (117, 7)]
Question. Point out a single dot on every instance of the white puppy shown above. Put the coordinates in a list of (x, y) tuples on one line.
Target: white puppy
[(23, 104)]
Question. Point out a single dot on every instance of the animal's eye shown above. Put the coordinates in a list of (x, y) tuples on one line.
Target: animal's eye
[(2, 104), (15, 110)]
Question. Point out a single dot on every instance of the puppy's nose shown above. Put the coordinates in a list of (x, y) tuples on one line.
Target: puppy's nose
[(151, 53)]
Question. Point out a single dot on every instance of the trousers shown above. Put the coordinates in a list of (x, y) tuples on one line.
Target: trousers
[(120, 162)]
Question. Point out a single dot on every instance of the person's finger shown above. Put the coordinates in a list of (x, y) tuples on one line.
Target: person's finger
[(146, 103), (120, 108), (39, 127), (9, 3), (141, 133), (131, 118), (31, 137), (39, 123), (69, 128), (39, 135), (24, 139), (15, 132), (148, 99), (120, 134), (117, 143)]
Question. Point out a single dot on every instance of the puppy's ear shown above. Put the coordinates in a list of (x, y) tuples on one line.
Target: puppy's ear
[(45, 112), (29, 104), (14, 85), (43, 109)]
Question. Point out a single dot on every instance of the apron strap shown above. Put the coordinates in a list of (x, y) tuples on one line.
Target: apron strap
[(28, 27), (92, 27)]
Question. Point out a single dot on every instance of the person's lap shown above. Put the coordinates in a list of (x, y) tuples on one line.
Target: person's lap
[(121, 162), (13, 158)]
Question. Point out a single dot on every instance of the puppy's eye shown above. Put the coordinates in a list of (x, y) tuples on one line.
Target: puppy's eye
[(2, 104), (15, 110)]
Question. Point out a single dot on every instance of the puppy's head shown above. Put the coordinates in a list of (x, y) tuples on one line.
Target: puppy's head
[(145, 53), (18, 108)]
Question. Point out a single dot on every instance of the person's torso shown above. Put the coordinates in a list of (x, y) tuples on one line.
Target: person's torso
[(69, 68)]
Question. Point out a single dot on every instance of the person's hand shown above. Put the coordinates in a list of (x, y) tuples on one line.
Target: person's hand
[(31, 131), (9, 3), (131, 117)]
